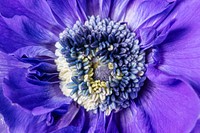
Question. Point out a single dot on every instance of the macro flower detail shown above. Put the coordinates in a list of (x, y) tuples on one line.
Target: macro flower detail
[(99, 66)]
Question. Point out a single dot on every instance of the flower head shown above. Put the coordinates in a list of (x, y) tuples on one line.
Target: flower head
[(99, 66)]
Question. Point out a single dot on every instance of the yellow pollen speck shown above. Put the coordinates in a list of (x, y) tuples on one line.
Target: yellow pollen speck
[(90, 57), (110, 66), (95, 65), (96, 50), (119, 77), (85, 59)]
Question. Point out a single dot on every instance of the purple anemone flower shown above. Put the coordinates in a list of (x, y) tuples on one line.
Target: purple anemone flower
[(99, 66)]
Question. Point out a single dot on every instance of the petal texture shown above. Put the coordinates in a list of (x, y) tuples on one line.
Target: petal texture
[(19, 120), (67, 11), (34, 83), (179, 54), (37, 10), (30, 30), (37, 98), (118, 9), (148, 12), (169, 101), (8, 63), (196, 129)]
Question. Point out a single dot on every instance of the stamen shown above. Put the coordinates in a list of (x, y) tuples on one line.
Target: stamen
[(100, 64)]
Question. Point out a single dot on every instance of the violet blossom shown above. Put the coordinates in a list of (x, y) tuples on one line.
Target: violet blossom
[(99, 66)]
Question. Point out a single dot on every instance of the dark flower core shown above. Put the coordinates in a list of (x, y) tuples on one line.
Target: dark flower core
[(100, 63)]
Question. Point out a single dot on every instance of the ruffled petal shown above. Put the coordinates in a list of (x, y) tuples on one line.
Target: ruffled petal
[(18, 120), (35, 82), (34, 53), (67, 11), (40, 98), (65, 119), (43, 73), (151, 37), (148, 12), (68, 117), (43, 69), (8, 63), (179, 54), (36, 10)]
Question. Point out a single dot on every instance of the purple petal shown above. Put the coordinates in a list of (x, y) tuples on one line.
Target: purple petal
[(151, 37), (132, 120), (8, 63), (96, 7), (196, 129), (100, 126), (3, 126), (19, 32), (79, 120), (67, 11), (41, 98), (105, 7), (69, 116), (180, 51), (33, 52), (90, 122), (44, 70), (118, 9), (147, 35), (95, 123), (165, 105), (18, 120), (10, 40), (36, 10), (91, 7), (112, 126), (30, 30), (72, 120), (147, 12), (168, 101)]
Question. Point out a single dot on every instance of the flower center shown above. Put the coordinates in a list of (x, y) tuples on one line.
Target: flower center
[(100, 64)]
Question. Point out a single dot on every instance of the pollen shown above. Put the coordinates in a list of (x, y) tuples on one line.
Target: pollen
[(110, 66)]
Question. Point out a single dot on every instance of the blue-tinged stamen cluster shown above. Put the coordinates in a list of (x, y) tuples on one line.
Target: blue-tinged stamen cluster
[(100, 64)]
